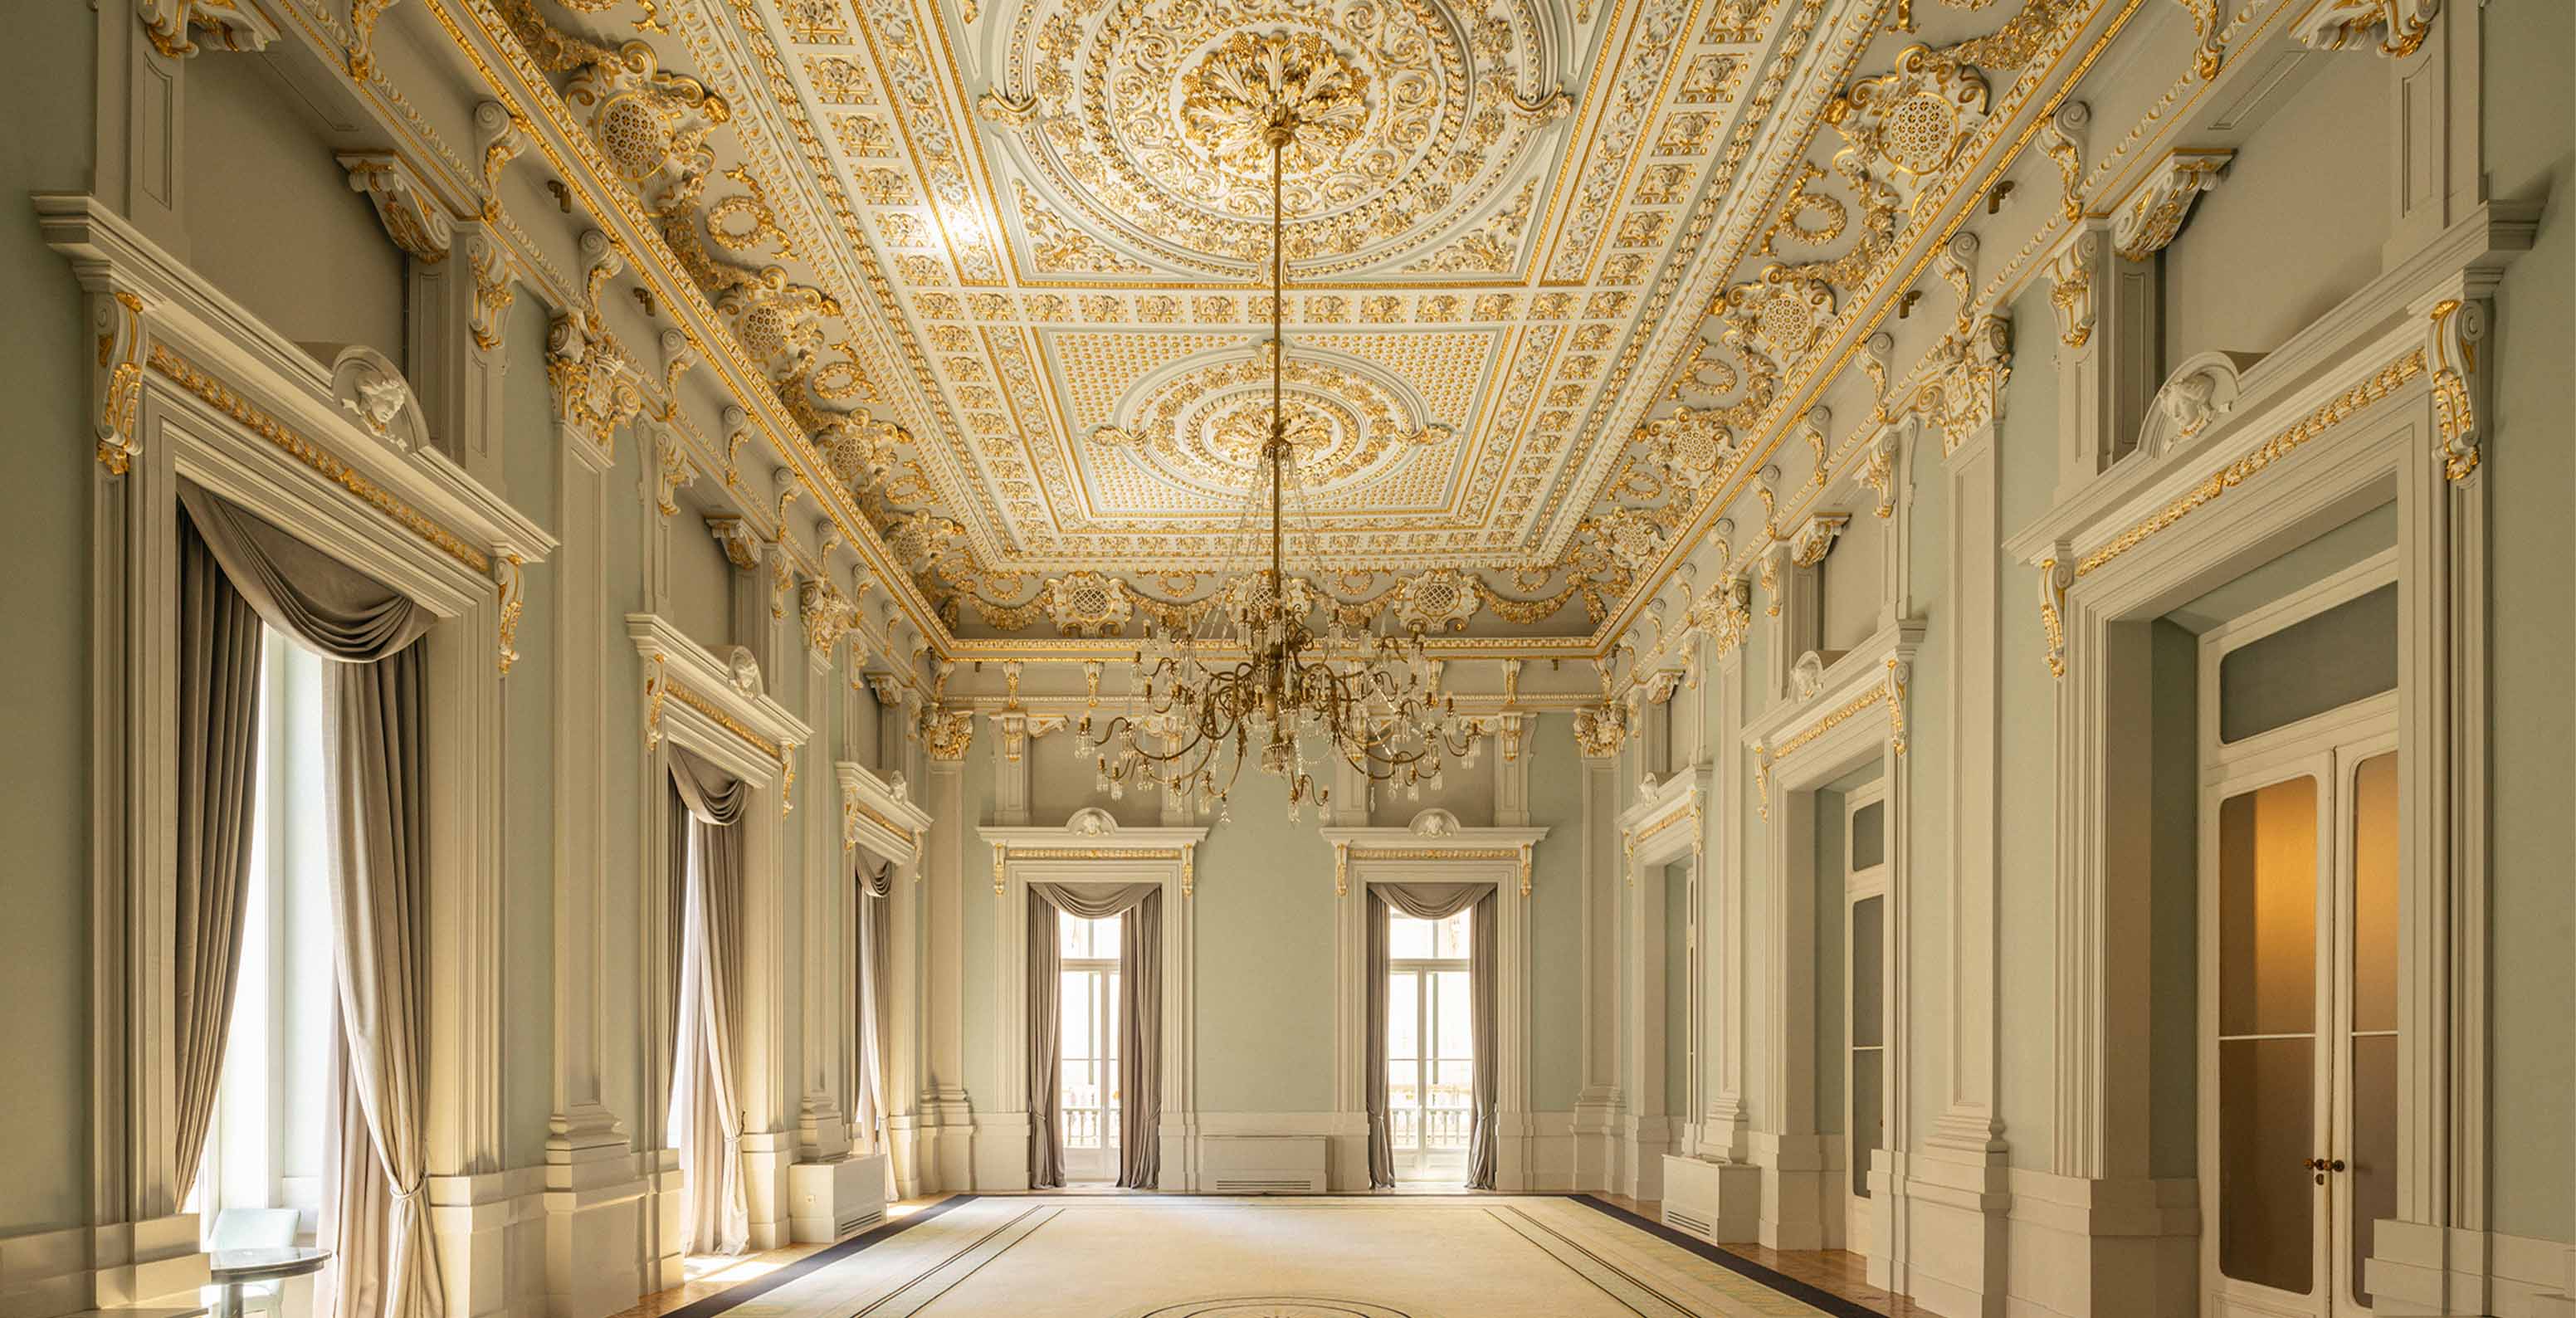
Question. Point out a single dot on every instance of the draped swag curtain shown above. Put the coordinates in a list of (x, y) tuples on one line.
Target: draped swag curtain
[(1435, 901), (716, 1212), (1139, 907), (868, 1105), (376, 769)]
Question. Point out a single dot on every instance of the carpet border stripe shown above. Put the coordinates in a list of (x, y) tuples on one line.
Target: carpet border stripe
[(1806, 1292), (758, 1286)]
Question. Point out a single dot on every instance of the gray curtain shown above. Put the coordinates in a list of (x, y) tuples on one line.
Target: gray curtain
[(678, 831), (717, 1212), (355, 1197), (1046, 1028), (377, 766), (1046, 1045), (1434, 901), (868, 1105), (219, 648), (1140, 1033)]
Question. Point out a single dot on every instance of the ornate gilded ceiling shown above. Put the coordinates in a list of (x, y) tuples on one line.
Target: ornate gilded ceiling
[(1556, 266)]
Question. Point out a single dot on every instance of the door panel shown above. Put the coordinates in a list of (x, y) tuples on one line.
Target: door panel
[(2268, 1109)]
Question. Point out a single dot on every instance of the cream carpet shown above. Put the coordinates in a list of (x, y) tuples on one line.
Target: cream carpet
[(1185, 1257)]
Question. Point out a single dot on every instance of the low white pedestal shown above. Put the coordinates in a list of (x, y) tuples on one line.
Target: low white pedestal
[(829, 1200), (1716, 1201), (1261, 1164)]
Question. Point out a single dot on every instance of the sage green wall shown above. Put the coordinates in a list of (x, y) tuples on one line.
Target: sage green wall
[(1556, 916), (529, 793), (701, 585), (46, 466), (1265, 990), (2530, 479), (2294, 228), (271, 219), (2026, 750)]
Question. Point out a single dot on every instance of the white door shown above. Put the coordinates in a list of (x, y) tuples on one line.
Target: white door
[(2299, 914), (1087, 1095), (1864, 1003)]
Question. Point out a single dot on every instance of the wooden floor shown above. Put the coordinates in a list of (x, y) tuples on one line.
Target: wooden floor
[(1833, 1271)]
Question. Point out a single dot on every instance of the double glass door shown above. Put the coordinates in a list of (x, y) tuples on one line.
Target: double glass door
[(2299, 916), (1864, 1003), (1430, 1046)]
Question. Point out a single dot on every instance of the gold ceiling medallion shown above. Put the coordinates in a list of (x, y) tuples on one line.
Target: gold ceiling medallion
[(1259, 673), (1231, 98)]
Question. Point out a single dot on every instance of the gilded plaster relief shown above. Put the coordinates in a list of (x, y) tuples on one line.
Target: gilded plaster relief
[(1558, 271)]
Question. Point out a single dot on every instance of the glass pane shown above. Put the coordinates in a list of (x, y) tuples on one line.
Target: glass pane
[(2374, 1146), (2374, 893), (1868, 950), (1455, 1025), (1408, 939), (2267, 910), (1070, 936), (1403, 1015), (1868, 1114), (1451, 943), (1109, 1014), (1074, 1002), (1869, 835), (1104, 937), (2337, 657), (2266, 1133)]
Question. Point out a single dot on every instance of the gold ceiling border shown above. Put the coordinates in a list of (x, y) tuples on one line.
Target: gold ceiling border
[(1794, 399)]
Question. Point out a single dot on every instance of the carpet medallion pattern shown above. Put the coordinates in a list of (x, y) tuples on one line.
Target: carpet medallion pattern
[(1478, 1256)]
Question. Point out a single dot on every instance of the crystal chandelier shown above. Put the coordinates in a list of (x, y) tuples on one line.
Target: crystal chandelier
[(1252, 679)]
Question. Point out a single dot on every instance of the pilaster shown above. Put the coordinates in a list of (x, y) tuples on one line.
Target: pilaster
[(2108, 327), (945, 1108), (1598, 1108)]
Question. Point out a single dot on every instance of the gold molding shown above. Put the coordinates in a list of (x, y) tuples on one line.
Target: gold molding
[(1889, 691), (321, 460)]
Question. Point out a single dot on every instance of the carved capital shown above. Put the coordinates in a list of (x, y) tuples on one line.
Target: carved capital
[(947, 733), (2154, 212), (173, 26), (2395, 28), (412, 217), (1813, 541), (672, 469), (594, 387)]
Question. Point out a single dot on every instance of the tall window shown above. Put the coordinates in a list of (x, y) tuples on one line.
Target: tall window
[(1088, 1120), (1430, 1045), (265, 1151)]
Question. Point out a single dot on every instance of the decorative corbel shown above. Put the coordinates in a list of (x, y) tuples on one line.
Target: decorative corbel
[(1001, 866), (1525, 869), (2070, 287), (1816, 539), (1956, 263), (116, 376), (672, 470), (2458, 327), (1341, 869), (1897, 669), (1819, 442), (1878, 356), (599, 264), (412, 217), (1878, 471), (2056, 577), (737, 425), (782, 577), (494, 290), (678, 355), (363, 15), (507, 574), (501, 136), (2061, 139), (1189, 870), (741, 544), (787, 778), (2156, 209), (174, 25), (657, 688), (2206, 20), (1769, 576)]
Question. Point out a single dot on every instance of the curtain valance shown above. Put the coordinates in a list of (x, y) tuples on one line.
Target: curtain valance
[(307, 594)]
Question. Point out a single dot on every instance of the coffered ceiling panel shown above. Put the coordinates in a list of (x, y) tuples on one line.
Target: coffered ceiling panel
[(1555, 266)]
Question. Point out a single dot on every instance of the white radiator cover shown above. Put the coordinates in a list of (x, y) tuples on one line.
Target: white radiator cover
[(829, 1200), (1261, 1164)]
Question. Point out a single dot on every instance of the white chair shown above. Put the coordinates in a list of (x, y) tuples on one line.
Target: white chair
[(256, 1228)]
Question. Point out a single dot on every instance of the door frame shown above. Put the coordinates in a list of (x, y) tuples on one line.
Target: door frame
[(2329, 747)]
